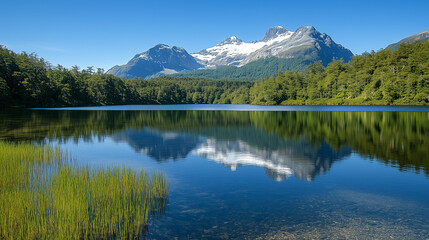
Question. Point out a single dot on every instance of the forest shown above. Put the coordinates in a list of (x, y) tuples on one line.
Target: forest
[(399, 77), (29, 81)]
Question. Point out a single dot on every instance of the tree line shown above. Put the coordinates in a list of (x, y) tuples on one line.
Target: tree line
[(387, 77), (255, 70), (400, 77), (30, 81)]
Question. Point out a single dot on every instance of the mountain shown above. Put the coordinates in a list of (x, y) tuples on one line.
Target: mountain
[(277, 42), (157, 61), (423, 36), (279, 50)]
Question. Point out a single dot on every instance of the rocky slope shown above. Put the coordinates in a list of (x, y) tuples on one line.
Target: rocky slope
[(157, 61), (295, 50), (423, 36), (277, 42)]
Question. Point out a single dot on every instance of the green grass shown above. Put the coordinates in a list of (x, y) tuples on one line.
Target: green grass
[(43, 195)]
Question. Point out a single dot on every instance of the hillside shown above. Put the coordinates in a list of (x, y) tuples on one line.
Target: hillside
[(234, 59), (423, 36), (157, 61)]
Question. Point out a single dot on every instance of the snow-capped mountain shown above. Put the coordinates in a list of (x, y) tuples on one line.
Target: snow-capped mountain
[(159, 60), (302, 47), (233, 51), (278, 42)]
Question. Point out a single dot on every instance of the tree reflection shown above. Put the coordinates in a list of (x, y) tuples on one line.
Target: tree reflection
[(315, 139)]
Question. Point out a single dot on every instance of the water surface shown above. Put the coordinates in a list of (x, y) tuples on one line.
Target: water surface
[(240, 172)]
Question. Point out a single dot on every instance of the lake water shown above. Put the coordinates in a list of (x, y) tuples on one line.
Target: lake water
[(255, 172)]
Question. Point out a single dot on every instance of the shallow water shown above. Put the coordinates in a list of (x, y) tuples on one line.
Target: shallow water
[(239, 171)]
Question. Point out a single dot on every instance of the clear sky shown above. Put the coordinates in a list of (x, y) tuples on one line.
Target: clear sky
[(107, 33)]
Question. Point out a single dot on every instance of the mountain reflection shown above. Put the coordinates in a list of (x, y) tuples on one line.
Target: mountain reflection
[(296, 157), (159, 146), (283, 143), (280, 158)]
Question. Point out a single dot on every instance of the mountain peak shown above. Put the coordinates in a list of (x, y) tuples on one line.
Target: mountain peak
[(161, 45), (231, 40), (274, 32), (164, 47), (278, 42), (162, 50), (309, 29), (158, 60)]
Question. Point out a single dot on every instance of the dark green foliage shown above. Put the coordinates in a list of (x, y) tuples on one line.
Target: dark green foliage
[(4, 91), (26, 80), (169, 90), (383, 78), (255, 70)]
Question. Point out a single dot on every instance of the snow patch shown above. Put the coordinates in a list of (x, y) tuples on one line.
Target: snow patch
[(236, 48)]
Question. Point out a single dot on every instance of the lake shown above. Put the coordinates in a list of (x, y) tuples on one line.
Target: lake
[(257, 172)]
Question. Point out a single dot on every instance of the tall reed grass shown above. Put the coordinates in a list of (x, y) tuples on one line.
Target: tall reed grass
[(43, 195)]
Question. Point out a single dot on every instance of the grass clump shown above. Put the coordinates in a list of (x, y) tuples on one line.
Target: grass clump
[(44, 196)]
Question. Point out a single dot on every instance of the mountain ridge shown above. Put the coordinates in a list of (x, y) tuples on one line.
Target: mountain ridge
[(157, 61), (295, 50), (422, 36), (277, 42)]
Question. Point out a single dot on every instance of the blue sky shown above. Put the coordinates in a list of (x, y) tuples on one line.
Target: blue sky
[(107, 33)]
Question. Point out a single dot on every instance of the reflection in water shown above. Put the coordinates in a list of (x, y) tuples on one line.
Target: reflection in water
[(160, 146), (280, 158), (303, 160), (399, 139), (211, 202), (238, 153)]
